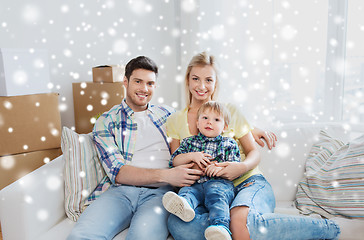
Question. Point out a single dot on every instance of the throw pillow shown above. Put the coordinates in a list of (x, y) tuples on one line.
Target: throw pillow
[(82, 170), (333, 184)]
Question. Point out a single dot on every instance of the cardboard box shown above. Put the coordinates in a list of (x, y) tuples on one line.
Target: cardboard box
[(13, 167), (92, 99), (23, 71), (107, 74), (29, 123)]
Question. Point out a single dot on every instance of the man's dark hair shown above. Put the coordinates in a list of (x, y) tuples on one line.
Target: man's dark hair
[(140, 62)]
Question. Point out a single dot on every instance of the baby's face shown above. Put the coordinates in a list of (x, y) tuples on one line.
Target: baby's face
[(210, 123)]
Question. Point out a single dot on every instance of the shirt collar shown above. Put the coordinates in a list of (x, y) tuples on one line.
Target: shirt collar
[(203, 138), (130, 111)]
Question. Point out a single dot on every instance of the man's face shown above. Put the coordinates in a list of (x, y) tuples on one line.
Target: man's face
[(140, 89)]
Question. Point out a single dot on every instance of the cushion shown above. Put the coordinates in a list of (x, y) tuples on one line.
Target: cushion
[(82, 170), (334, 183)]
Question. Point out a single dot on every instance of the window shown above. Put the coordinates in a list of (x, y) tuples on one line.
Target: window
[(353, 107), (272, 55), (285, 60)]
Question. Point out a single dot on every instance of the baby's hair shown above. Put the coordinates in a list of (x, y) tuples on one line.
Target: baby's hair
[(216, 107)]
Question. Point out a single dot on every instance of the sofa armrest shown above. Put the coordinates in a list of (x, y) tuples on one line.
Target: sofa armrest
[(34, 203)]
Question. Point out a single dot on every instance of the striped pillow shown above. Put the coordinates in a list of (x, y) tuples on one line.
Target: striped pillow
[(334, 181), (82, 170)]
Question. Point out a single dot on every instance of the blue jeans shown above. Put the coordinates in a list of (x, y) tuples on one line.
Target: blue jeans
[(262, 223), (216, 195), (121, 207)]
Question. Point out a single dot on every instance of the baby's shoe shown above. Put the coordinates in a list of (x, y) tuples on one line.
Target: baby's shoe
[(217, 232), (178, 206)]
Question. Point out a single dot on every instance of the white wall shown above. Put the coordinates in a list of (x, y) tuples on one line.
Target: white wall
[(272, 53), (82, 34)]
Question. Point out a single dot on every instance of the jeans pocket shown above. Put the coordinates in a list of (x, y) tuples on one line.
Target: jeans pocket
[(244, 185)]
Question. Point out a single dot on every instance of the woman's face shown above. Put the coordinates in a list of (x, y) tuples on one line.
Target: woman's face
[(201, 83)]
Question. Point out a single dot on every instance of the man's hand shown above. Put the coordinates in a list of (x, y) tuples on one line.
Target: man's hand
[(182, 176), (269, 137)]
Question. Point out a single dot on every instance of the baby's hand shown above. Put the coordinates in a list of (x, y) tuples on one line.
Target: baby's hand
[(195, 166), (212, 170), (200, 158)]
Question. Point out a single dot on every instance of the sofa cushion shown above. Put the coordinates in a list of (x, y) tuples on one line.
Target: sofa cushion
[(334, 183), (82, 170), (284, 165)]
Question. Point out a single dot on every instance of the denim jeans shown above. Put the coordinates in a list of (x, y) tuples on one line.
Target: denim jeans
[(120, 207), (216, 195), (262, 223)]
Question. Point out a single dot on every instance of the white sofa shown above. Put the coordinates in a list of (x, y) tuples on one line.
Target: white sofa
[(33, 207)]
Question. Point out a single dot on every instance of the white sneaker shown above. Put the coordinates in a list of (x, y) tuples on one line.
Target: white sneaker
[(216, 232), (178, 206)]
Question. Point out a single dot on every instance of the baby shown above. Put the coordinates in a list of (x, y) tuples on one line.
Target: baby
[(214, 192)]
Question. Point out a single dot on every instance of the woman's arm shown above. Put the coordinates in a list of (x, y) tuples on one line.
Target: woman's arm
[(269, 137), (234, 170), (174, 144), (251, 152)]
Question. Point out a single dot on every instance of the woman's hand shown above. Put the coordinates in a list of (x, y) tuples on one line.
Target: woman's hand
[(211, 170), (231, 170), (269, 137), (202, 159)]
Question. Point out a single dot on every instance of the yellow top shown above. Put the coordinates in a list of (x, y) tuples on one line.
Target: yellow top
[(177, 128)]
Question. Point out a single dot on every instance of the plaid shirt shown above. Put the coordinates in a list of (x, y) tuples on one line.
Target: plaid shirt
[(115, 135), (222, 149)]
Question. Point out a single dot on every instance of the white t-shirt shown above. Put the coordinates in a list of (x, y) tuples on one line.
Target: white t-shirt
[(151, 150)]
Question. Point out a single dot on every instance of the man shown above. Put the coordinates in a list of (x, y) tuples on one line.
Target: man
[(132, 146)]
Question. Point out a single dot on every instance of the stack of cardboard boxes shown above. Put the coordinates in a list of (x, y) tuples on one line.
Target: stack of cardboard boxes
[(30, 128), (30, 122), (91, 99)]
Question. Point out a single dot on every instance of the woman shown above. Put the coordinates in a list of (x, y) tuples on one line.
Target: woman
[(251, 212)]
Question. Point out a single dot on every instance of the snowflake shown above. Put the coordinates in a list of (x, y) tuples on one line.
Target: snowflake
[(42, 215), (89, 107), (31, 14), (7, 162), (53, 183), (283, 150), (167, 50), (20, 77), (120, 46), (288, 33), (188, 6)]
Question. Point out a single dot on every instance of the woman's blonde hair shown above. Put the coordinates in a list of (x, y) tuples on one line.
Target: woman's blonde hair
[(216, 107), (200, 60)]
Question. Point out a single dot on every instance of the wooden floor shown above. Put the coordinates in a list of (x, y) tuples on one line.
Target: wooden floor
[(1, 235)]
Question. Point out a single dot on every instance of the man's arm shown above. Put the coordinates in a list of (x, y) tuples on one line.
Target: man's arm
[(179, 176), (107, 149)]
